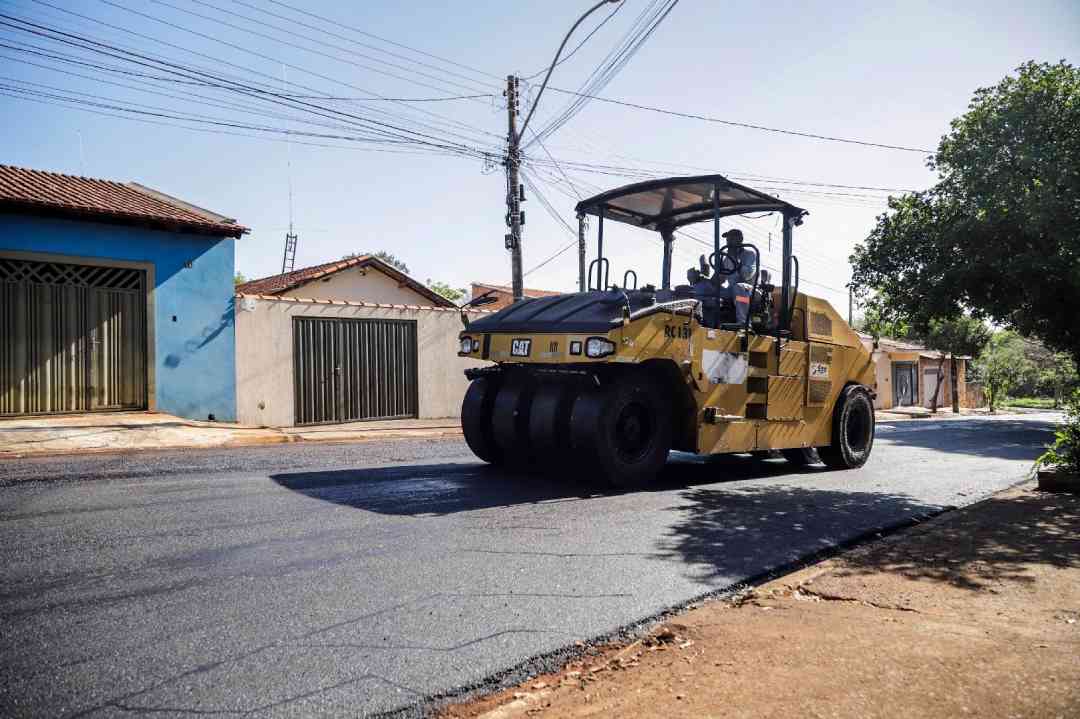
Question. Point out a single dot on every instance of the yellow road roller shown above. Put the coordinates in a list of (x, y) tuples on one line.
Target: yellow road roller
[(606, 381)]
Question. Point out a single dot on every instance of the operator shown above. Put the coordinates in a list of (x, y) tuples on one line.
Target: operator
[(738, 286)]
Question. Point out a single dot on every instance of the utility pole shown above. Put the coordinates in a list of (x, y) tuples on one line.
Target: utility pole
[(850, 307), (514, 190)]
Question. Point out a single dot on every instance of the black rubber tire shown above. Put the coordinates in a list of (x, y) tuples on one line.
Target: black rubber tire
[(762, 454), (549, 422), (510, 419), (623, 429), (801, 456), (853, 430), (476, 419)]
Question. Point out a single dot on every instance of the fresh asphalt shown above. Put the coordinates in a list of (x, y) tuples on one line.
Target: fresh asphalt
[(345, 580)]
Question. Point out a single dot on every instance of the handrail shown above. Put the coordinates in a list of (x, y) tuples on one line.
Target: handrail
[(626, 282), (603, 273)]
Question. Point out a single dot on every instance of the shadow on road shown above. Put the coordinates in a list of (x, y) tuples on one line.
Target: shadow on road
[(743, 529), (440, 489)]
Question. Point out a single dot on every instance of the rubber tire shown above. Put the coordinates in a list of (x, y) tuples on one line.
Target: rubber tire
[(549, 422), (801, 456), (853, 405), (476, 411), (510, 420), (593, 422)]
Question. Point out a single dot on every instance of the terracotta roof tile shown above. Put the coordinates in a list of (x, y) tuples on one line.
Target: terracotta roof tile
[(278, 284), (127, 203)]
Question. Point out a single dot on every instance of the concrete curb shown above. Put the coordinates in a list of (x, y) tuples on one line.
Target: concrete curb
[(344, 437)]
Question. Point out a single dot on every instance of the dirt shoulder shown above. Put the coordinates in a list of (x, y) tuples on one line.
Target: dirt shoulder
[(975, 613)]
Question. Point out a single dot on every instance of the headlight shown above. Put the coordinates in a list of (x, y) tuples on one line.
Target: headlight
[(599, 347), (466, 345)]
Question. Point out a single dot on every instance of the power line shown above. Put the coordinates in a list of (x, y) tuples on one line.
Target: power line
[(370, 125), (336, 23), (274, 84), (577, 47), (747, 125)]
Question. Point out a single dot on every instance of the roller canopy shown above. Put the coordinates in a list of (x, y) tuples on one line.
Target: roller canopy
[(677, 201)]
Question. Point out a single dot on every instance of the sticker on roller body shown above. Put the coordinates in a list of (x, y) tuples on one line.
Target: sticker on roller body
[(819, 370), (724, 367)]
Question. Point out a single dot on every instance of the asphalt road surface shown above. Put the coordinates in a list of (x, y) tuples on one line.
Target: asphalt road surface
[(344, 580)]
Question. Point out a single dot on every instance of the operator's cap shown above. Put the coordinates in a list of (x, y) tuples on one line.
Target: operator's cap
[(733, 236)]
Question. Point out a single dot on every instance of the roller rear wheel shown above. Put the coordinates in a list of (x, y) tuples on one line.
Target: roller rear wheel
[(853, 430), (801, 456)]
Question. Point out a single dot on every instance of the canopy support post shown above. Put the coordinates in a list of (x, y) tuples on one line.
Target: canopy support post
[(785, 287), (716, 221), (600, 234), (581, 251), (669, 239)]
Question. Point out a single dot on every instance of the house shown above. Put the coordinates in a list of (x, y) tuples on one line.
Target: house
[(505, 295), (365, 278), (907, 375), (113, 296), (346, 341)]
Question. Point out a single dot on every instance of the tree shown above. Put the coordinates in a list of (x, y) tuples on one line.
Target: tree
[(997, 236), (451, 293), (1057, 376), (960, 336), (384, 256), (1002, 365), (239, 279)]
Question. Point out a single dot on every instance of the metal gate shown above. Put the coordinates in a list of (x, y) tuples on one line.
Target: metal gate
[(354, 369), (905, 384), (72, 338)]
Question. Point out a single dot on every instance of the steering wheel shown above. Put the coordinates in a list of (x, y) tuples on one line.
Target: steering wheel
[(724, 262)]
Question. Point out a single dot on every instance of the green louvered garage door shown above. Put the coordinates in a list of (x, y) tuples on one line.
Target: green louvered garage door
[(354, 369), (72, 338)]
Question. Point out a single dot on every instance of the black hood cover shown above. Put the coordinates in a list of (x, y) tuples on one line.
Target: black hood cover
[(579, 312)]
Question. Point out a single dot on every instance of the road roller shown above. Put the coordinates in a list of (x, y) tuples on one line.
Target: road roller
[(605, 382)]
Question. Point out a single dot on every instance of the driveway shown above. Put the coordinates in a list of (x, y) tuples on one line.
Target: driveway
[(336, 580)]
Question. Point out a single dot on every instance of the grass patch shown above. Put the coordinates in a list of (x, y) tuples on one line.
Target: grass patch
[(1031, 402)]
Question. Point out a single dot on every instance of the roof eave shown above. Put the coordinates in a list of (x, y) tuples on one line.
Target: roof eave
[(41, 209)]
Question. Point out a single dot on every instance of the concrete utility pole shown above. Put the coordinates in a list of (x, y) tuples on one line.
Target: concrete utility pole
[(513, 187)]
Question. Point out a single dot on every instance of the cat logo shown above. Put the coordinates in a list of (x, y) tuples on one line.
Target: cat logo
[(677, 332)]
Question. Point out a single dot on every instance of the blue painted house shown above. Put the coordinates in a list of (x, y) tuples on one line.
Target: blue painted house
[(113, 296)]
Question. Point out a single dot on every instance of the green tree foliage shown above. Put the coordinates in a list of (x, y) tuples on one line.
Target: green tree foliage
[(1064, 453), (998, 235), (239, 279), (451, 293), (1056, 374), (1002, 365), (383, 255), (963, 336)]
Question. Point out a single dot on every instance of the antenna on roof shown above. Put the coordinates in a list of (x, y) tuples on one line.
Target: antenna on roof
[(288, 261)]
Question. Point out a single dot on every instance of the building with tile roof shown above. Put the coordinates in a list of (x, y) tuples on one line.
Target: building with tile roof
[(364, 278), (113, 296), (505, 295)]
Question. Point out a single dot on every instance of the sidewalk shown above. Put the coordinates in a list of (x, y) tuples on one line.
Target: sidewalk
[(974, 613), (139, 431)]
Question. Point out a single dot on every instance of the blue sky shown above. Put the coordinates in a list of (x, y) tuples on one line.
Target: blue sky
[(889, 75)]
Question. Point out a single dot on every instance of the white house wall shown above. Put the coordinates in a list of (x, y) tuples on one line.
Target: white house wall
[(264, 355)]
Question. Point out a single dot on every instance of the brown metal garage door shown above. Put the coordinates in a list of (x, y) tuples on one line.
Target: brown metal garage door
[(348, 370), (72, 338)]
